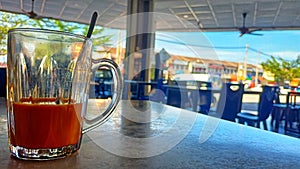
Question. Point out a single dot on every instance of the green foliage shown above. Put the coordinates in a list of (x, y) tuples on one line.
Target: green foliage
[(53, 24), (82, 29), (97, 37), (282, 69), (8, 21), (47, 50)]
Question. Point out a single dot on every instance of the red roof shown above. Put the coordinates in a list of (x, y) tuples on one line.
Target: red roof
[(3, 65)]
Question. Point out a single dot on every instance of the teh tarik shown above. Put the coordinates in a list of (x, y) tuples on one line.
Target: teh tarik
[(39, 125)]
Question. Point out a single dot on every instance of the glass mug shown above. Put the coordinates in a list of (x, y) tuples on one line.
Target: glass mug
[(48, 84)]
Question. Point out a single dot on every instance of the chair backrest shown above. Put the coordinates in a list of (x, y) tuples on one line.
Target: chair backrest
[(230, 102), (134, 91), (292, 115), (177, 96), (205, 100), (160, 92), (293, 99), (203, 84), (206, 95), (160, 84), (181, 83), (277, 96), (266, 101)]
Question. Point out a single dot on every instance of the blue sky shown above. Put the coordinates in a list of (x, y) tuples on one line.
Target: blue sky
[(229, 46)]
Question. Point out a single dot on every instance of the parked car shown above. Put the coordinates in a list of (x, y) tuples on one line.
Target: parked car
[(286, 84), (103, 84)]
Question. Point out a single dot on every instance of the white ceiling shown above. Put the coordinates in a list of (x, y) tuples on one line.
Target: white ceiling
[(172, 15)]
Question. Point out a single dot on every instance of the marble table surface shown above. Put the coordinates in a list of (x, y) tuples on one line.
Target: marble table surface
[(154, 135)]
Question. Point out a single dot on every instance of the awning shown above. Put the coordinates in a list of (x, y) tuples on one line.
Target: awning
[(171, 15)]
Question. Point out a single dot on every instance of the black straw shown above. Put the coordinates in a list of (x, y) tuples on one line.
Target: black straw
[(89, 34), (92, 25)]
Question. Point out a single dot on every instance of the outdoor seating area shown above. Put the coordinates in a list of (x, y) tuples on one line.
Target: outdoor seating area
[(226, 103)]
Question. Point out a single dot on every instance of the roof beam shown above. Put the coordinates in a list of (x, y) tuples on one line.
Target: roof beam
[(255, 13), (277, 13), (43, 6), (213, 12), (233, 15), (194, 14), (172, 12)]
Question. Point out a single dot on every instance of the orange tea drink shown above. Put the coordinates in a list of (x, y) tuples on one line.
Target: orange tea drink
[(45, 125)]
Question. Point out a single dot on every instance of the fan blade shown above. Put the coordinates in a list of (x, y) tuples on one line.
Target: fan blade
[(242, 34), (250, 33), (258, 34), (253, 30)]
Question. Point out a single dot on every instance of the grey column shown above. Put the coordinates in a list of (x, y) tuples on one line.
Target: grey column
[(139, 42)]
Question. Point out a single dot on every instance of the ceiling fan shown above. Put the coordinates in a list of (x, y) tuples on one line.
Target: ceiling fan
[(32, 14), (245, 30)]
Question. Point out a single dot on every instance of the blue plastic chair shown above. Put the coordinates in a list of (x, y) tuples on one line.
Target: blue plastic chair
[(265, 105), (159, 94), (181, 83), (292, 113), (230, 102), (177, 96), (202, 97), (278, 112), (206, 96)]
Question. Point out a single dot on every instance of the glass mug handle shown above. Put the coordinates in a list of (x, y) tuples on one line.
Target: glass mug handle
[(118, 87)]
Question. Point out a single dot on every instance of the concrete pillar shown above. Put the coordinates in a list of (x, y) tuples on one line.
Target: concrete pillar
[(139, 49), (139, 42)]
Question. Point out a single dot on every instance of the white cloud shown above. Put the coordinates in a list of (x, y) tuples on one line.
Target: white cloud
[(286, 54), (235, 56)]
